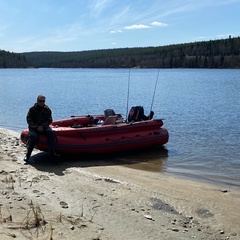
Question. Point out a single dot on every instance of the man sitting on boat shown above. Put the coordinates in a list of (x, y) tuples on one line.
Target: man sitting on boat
[(39, 118)]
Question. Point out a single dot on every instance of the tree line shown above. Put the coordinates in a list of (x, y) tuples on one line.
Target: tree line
[(224, 53), (12, 60)]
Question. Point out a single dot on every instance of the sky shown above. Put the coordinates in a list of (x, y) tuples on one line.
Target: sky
[(78, 25)]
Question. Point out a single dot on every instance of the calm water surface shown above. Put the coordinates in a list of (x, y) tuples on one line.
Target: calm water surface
[(201, 109)]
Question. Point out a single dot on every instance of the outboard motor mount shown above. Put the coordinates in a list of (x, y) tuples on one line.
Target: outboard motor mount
[(136, 114)]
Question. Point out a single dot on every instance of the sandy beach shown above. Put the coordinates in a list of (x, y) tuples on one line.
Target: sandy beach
[(89, 199)]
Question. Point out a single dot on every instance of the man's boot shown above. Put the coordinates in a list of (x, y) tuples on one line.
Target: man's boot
[(30, 146)]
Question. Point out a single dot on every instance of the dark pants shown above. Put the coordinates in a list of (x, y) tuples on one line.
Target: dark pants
[(33, 139)]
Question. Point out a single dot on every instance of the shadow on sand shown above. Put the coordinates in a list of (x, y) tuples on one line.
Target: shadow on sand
[(148, 159)]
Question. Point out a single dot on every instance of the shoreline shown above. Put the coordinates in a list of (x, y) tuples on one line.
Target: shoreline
[(93, 199), (226, 183)]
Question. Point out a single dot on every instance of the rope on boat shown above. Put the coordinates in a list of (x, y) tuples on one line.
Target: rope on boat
[(128, 137)]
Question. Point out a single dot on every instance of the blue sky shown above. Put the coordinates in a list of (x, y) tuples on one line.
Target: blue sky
[(76, 25)]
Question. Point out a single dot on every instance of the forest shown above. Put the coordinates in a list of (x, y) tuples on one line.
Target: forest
[(12, 60), (224, 53)]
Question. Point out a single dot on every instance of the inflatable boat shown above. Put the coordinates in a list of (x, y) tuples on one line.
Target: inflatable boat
[(104, 133)]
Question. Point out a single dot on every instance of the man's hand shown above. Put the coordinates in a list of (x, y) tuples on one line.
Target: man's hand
[(40, 128)]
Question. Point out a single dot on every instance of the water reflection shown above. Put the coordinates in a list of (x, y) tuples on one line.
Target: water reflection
[(152, 160)]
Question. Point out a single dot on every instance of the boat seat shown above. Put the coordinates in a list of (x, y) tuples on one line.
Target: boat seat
[(109, 112), (110, 120)]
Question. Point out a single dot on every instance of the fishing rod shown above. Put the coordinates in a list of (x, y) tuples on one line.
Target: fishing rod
[(156, 82), (128, 93)]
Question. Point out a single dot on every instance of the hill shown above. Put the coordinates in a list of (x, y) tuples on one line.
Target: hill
[(12, 60), (224, 53)]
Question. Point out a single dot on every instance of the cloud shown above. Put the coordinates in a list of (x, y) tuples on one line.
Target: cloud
[(116, 31), (136, 26), (224, 35), (158, 24), (98, 6), (141, 26)]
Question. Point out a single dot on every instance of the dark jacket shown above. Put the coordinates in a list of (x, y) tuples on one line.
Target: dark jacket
[(39, 116)]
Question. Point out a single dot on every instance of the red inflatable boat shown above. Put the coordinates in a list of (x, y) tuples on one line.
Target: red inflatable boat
[(104, 133)]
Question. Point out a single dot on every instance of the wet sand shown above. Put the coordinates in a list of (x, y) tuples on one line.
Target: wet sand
[(81, 198)]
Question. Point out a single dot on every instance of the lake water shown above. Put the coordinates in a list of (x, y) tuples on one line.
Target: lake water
[(201, 108)]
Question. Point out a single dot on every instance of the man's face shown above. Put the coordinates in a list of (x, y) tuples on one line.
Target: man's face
[(41, 102)]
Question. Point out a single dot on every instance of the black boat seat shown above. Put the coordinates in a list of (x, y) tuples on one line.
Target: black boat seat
[(109, 112), (110, 120)]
